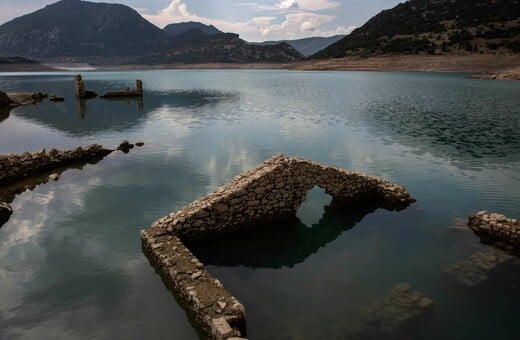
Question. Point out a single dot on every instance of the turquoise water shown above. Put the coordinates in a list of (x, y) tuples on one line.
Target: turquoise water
[(71, 264)]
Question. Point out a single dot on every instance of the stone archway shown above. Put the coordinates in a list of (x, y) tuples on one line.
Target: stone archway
[(273, 190)]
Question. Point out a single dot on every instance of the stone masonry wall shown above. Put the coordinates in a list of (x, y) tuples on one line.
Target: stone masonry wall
[(276, 188), (496, 228), (273, 190), (15, 167)]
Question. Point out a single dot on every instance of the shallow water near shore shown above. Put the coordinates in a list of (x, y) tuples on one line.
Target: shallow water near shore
[(71, 265)]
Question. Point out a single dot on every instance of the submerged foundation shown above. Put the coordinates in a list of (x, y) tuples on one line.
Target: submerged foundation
[(271, 191)]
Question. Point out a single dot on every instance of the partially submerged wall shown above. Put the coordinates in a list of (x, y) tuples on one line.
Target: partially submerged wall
[(273, 190), (15, 167), (492, 227)]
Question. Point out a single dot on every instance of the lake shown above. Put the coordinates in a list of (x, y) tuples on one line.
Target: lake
[(71, 265)]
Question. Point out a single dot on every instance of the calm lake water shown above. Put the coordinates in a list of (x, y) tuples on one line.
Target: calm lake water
[(71, 265)]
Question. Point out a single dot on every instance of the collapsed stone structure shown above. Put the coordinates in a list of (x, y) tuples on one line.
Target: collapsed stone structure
[(402, 308), (493, 227), (271, 191), (126, 93), (17, 167), (79, 89)]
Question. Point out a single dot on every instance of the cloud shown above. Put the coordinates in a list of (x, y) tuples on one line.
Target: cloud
[(304, 5), (295, 23)]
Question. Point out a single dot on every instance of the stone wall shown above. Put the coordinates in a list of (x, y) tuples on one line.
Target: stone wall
[(271, 191), (492, 227), (14, 167), (275, 189)]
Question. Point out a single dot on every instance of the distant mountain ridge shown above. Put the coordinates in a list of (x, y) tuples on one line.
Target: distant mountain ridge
[(435, 27), (74, 28), (307, 46), (195, 47), (177, 29), (108, 34)]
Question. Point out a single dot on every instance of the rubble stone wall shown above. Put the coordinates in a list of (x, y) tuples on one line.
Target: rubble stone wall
[(15, 167), (496, 227), (273, 190)]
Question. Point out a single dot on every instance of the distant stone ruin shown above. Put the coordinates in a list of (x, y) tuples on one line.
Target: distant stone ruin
[(126, 93), (273, 190), (79, 89)]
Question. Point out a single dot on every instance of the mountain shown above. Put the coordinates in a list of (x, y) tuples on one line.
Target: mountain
[(307, 46), (193, 46), (179, 28), (435, 27), (14, 64), (81, 30)]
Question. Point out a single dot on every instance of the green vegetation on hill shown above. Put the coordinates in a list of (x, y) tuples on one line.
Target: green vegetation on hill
[(307, 46), (74, 28), (101, 33), (195, 47), (177, 29), (435, 26), (16, 60)]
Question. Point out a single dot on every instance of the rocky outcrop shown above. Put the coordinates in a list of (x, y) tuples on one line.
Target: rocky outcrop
[(273, 190), (493, 227), (15, 167)]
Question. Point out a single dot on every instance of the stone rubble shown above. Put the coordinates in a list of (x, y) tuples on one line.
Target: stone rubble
[(385, 316), (475, 270), (493, 227), (271, 191)]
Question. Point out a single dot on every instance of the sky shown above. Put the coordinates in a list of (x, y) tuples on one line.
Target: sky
[(253, 20)]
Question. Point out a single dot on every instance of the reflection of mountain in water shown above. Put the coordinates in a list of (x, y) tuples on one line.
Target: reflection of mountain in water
[(282, 243), (85, 117)]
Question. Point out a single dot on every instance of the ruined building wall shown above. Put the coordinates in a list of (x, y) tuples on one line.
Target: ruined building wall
[(273, 190)]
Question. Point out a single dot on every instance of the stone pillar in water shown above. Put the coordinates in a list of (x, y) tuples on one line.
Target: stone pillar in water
[(79, 86), (139, 86)]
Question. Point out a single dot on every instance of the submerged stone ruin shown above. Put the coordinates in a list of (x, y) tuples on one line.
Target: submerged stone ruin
[(126, 93), (271, 191), (16, 168), (385, 317), (473, 271), (493, 228), (79, 89)]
